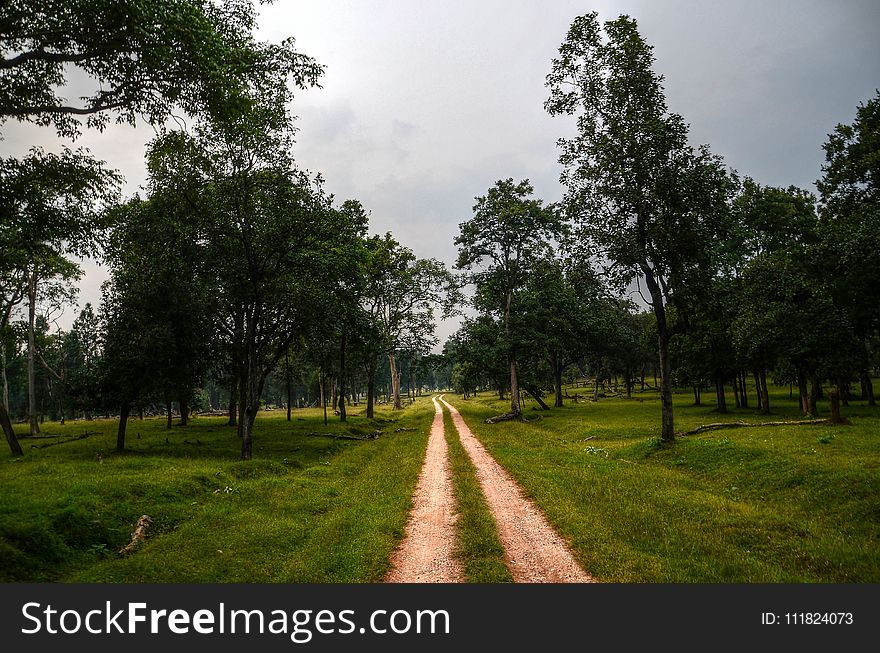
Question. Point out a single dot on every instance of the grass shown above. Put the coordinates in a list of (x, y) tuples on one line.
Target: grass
[(479, 550), (308, 508), (765, 504)]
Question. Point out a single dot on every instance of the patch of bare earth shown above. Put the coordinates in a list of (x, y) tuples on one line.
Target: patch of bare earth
[(534, 552), (426, 553)]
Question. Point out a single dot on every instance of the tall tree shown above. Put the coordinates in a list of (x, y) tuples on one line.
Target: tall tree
[(850, 229), (399, 300), (509, 231), (52, 205), (647, 200)]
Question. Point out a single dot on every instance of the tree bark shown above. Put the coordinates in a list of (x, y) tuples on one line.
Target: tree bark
[(5, 379), (802, 390), (867, 388), (9, 432), (514, 388), (371, 388), (814, 397), (395, 381), (323, 400), (184, 411), (287, 380), (720, 396), (557, 380), (533, 392), (761, 390), (31, 377), (124, 411), (667, 432), (342, 379), (233, 407), (834, 397)]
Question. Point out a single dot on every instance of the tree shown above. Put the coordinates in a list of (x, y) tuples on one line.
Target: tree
[(850, 227), (52, 206), (497, 247), (399, 299), (648, 201), (144, 57)]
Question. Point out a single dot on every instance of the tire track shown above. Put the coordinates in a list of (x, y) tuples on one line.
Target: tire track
[(426, 553), (534, 552)]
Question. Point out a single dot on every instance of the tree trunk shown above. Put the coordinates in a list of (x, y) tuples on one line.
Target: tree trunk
[(124, 410), (5, 379), (834, 397), (184, 411), (720, 397), (533, 392), (233, 407), (395, 381), (371, 387), (814, 397), (557, 380), (667, 432), (742, 388), (737, 396), (323, 400), (287, 380), (761, 389), (31, 377), (514, 388), (867, 388), (802, 389), (252, 383), (9, 432), (342, 379), (168, 415), (697, 398)]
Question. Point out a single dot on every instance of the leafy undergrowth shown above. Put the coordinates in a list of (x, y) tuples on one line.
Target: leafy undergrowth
[(758, 504), (308, 508)]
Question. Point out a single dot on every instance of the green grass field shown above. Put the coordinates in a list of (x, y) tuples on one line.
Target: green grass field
[(767, 504), (308, 508)]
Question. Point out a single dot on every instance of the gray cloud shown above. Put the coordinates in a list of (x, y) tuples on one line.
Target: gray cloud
[(424, 105)]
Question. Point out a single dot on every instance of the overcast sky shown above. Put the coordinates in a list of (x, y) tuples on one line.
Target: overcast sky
[(425, 104)]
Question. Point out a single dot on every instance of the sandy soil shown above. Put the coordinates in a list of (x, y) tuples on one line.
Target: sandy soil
[(533, 550), (425, 554)]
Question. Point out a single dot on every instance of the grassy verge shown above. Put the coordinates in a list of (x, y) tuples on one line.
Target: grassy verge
[(765, 504), (308, 508), (479, 550)]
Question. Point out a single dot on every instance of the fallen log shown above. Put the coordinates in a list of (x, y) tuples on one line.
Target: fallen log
[(372, 436), (734, 425), (139, 535), (503, 418)]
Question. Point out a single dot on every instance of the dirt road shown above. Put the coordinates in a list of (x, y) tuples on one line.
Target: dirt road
[(533, 551), (425, 555)]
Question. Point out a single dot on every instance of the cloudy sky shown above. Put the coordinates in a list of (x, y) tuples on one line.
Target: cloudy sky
[(425, 104)]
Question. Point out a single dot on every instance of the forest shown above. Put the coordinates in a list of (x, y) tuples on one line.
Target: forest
[(238, 282)]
